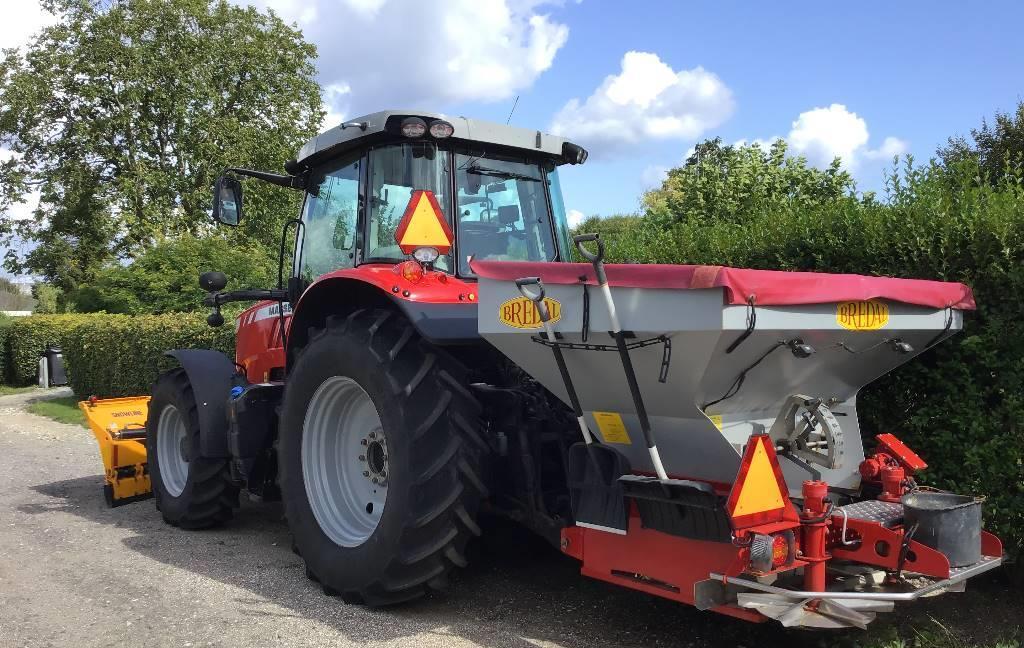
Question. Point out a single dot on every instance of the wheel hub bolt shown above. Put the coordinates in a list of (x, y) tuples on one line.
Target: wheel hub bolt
[(373, 435), (362, 457), (366, 473), (363, 441), (374, 480)]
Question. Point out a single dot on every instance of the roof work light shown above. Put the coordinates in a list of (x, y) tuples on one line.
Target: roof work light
[(413, 127)]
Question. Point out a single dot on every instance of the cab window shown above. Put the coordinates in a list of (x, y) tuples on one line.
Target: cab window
[(395, 171), (503, 210), (330, 216)]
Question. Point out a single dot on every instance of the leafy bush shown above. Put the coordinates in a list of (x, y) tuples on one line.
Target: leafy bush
[(27, 337), (119, 355), (5, 349), (959, 405)]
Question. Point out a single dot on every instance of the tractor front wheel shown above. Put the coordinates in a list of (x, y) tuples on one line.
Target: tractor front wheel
[(379, 455), (191, 491)]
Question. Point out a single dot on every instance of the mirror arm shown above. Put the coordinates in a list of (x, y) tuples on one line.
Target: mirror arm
[(287, 181)]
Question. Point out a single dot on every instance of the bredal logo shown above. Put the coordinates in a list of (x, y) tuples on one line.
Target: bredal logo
[(862, 315), (521, 313)]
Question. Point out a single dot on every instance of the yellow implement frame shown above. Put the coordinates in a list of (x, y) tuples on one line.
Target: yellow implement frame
[(119, 425)]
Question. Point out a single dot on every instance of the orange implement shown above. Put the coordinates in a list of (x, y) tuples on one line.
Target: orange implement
[(119, 425)]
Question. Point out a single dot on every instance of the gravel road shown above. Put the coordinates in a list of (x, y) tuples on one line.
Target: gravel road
[(75, 573)]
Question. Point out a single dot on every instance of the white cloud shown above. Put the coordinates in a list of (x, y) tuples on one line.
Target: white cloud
[(22, 19), (822, 134), (891, 147), (654, 175), (337, 98), (406, 54), (765, 144), (646, 100), (575, 217)]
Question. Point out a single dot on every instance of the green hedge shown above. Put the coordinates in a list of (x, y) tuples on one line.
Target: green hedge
[(960, 405), (5, 362), (121, 355), (105, 355), (27, 337)]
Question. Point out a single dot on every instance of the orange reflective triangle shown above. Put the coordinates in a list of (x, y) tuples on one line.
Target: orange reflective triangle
[(759, 495), (759, 491), (423, 225)]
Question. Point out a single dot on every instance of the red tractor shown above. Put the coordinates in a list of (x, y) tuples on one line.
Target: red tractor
[(686, 431)]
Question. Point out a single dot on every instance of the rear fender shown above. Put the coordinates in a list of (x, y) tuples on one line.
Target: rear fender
[(211, 374)]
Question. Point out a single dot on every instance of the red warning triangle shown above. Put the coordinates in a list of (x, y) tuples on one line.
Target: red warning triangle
[(759, 495), (423, 225)]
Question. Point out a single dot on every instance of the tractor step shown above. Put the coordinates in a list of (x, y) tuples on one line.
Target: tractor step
[(888, 514)]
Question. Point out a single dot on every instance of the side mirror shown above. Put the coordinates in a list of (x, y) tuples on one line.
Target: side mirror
[(213, 281), (227, 201)]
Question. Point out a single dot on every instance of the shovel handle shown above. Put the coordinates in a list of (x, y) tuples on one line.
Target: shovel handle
[(533, 289), (596, 258)]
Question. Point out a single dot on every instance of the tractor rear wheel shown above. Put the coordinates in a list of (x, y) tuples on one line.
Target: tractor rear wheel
[(379, 454), (191, 491)]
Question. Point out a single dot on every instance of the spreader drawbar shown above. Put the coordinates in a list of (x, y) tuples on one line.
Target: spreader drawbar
[(597, 259)]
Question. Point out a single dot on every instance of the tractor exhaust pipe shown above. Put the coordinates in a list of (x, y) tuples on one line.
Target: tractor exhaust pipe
[(597, 259)]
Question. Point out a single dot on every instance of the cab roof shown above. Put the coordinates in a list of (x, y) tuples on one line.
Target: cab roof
[(361, 131)]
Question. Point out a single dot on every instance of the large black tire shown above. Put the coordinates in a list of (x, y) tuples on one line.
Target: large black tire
[(434, 450), (209, 496)]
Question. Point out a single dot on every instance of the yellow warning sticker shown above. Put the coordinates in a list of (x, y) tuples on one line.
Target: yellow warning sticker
[(522, 313), (760, 490), (862, 315), (613, 430), (717, 420)]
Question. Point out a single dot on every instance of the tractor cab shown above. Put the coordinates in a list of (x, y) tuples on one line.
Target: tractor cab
[(495, 187)]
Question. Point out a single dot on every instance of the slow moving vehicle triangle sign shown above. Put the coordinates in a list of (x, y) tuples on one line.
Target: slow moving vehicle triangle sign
[(759, 495), (423, 225)]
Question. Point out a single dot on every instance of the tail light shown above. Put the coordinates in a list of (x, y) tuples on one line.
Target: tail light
[(770, 552), (411, 271)]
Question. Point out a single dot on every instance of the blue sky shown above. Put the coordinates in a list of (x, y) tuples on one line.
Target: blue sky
[(919, 72), (639, 83)]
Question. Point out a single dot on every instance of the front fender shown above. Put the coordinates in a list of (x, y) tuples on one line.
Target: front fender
[(211, 374)]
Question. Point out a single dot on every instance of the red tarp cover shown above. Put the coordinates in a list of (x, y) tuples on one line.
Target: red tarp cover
[(769, 287)]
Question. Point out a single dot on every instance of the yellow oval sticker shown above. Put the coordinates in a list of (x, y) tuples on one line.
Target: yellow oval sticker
[(862, 315), (521, 313)]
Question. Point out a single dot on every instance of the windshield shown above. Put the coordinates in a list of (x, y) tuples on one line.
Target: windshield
[(503, 210), (501, 203)]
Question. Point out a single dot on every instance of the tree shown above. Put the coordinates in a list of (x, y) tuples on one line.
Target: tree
[(49, 299), (729, 183), (164, 278), (997, 148), (122, 115)]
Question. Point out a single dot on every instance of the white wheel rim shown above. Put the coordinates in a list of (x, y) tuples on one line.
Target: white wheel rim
[(171, 451), (344, 461)]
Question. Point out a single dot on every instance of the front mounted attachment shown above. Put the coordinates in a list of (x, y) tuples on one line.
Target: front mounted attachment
[(119, 425)]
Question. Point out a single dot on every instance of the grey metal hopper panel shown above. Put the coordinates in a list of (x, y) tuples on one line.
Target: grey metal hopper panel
[(701, 328)]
